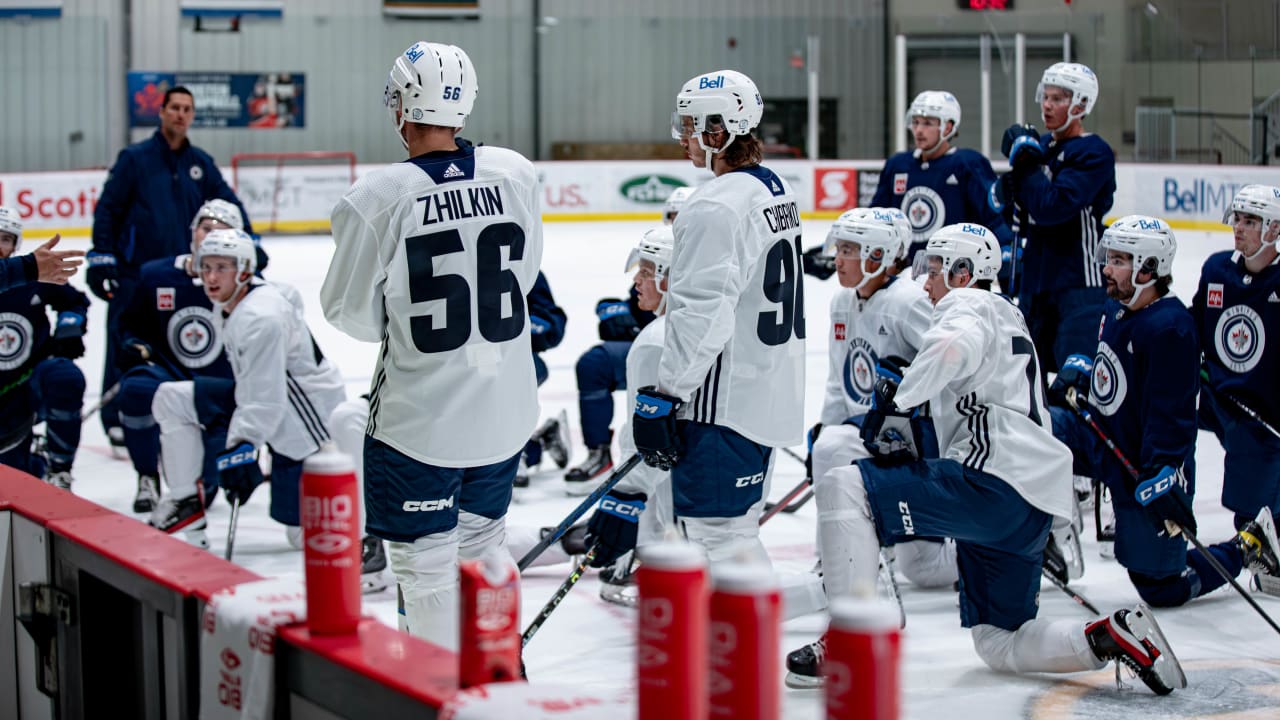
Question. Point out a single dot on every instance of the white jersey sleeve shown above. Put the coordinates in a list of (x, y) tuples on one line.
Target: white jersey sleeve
[(978, 370), (734, 343), (642, 370), (434, 259), (285, 388)]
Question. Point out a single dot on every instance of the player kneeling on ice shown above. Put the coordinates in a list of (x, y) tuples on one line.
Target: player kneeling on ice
[(1001, 479), (282, 393), (38, 378), (1142, 386)]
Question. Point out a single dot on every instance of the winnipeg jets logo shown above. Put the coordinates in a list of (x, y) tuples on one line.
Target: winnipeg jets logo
[(925, 211), (1109, 387), (15, 340), (1240, 338), (452, 171), (193, 338), (860, 371)]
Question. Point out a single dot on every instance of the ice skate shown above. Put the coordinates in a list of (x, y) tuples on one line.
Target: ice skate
[(148, 494), (60, 479), (804, 666), (618, 583), (1258, 541), (1132, 638), (185, 515), (115, 436), (373, 566), (553, 436), (581, 480)]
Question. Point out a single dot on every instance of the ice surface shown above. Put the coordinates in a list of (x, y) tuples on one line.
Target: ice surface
[(1231, 656)]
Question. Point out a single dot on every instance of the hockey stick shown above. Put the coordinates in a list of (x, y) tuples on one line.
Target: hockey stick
[(1172, 527), (231, 527), (1070, 593), (107, 397), (784, 505), (1204, 378), (559, 595), (578, 512)]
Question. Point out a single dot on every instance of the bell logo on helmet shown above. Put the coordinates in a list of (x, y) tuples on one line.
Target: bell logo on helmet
[(707, 83), (973, 229), (1149, 224), (414, 52)]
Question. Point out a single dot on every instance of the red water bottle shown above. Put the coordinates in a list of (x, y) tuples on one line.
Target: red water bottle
[(331, 542), (746, 614), (671, 635), (489, 637), (864, 645)]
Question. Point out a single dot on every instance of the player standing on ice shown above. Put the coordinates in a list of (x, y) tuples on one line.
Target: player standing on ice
[(434, 258), (1143, 384), (38, 380), (169, 333), (937, 184), (1001, 478), (731, 379), (282, 392)]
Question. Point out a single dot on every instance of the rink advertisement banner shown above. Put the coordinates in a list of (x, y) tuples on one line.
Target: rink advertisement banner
[(233, 8), (31, 8), (431, 8), (223, 100), (300, 197)]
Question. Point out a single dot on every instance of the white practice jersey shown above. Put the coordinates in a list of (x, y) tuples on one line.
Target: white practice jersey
[(978, 370), (434, 259), (734, 344), (889, 323), (642, 370), (285, 388)]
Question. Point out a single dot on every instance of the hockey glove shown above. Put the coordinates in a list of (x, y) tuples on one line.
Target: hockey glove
[(101, 276), (132, 354), (653, 427), (538, 330), (817, 264), (68, 339), (612, 528), (238, 471), (1076, 372), (616, 322), (811, 438), (886, 430), (1021, 144), (1163, 494)]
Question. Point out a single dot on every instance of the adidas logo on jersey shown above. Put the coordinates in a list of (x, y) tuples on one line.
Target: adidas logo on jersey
[(1274, 298), (883, 331), (951, 180), (452, 171)]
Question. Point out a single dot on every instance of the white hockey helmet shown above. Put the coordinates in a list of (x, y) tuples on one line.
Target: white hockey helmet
[(965, 246), (884, 234), (1077, 78), (235, 244), (936, 104), (675, 202), (1148, 240), (431, 84), (1262, 201), (223, 211), (656, 247), (11, 222), (721, 100)]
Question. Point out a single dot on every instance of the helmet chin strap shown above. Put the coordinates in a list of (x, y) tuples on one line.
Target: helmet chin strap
[(1070, 116), (710, 152), (1137, 287), (1265, 243), (866, 276)]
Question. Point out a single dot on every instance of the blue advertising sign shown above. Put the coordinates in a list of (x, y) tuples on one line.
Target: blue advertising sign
[(240, 100)]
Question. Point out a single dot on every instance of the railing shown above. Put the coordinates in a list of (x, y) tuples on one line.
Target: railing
[(1165, 134)]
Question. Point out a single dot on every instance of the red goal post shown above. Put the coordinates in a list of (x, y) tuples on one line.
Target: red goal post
[(292, 192)]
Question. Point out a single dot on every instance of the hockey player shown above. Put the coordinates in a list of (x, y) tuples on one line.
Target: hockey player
[(169, 333), (731, 379), (1001, 478), (43, 265), (434, 258), (282, 393), (546, 329), (38, 380), (875, 319), (153, 190), (937, 184), (1064, 182), (1236, 304), (1143, 385)]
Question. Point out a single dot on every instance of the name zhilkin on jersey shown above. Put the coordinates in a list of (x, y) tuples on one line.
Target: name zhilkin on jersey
[(428, 505), (782, 217), (461, 203)]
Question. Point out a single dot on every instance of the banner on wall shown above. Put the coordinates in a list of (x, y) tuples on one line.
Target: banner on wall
[(31, 8), (431, 8), (233, 8), (241, 100)]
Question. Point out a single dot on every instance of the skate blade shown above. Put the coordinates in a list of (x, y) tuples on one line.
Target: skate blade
[(1267, 584), (580, 489), (803, 682), (617, 595), (371, 583), (1167, 656)]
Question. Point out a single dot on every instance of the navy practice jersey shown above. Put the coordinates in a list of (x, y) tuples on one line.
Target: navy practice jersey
[(1146, 377), (24, 324), (943, 191), (1065, 200), (170, 313), (542, 307), (1234, 311)]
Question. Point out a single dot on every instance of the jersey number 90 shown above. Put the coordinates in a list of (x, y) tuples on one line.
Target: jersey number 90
[(782, 285), (491, 280)]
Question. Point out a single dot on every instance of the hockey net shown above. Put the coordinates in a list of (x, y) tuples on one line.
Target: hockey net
[(292, 192)]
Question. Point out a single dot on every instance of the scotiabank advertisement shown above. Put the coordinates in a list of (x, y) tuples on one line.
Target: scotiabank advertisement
[(54, 201)]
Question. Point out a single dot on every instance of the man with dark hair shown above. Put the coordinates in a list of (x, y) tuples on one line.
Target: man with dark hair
[(151, 193)]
